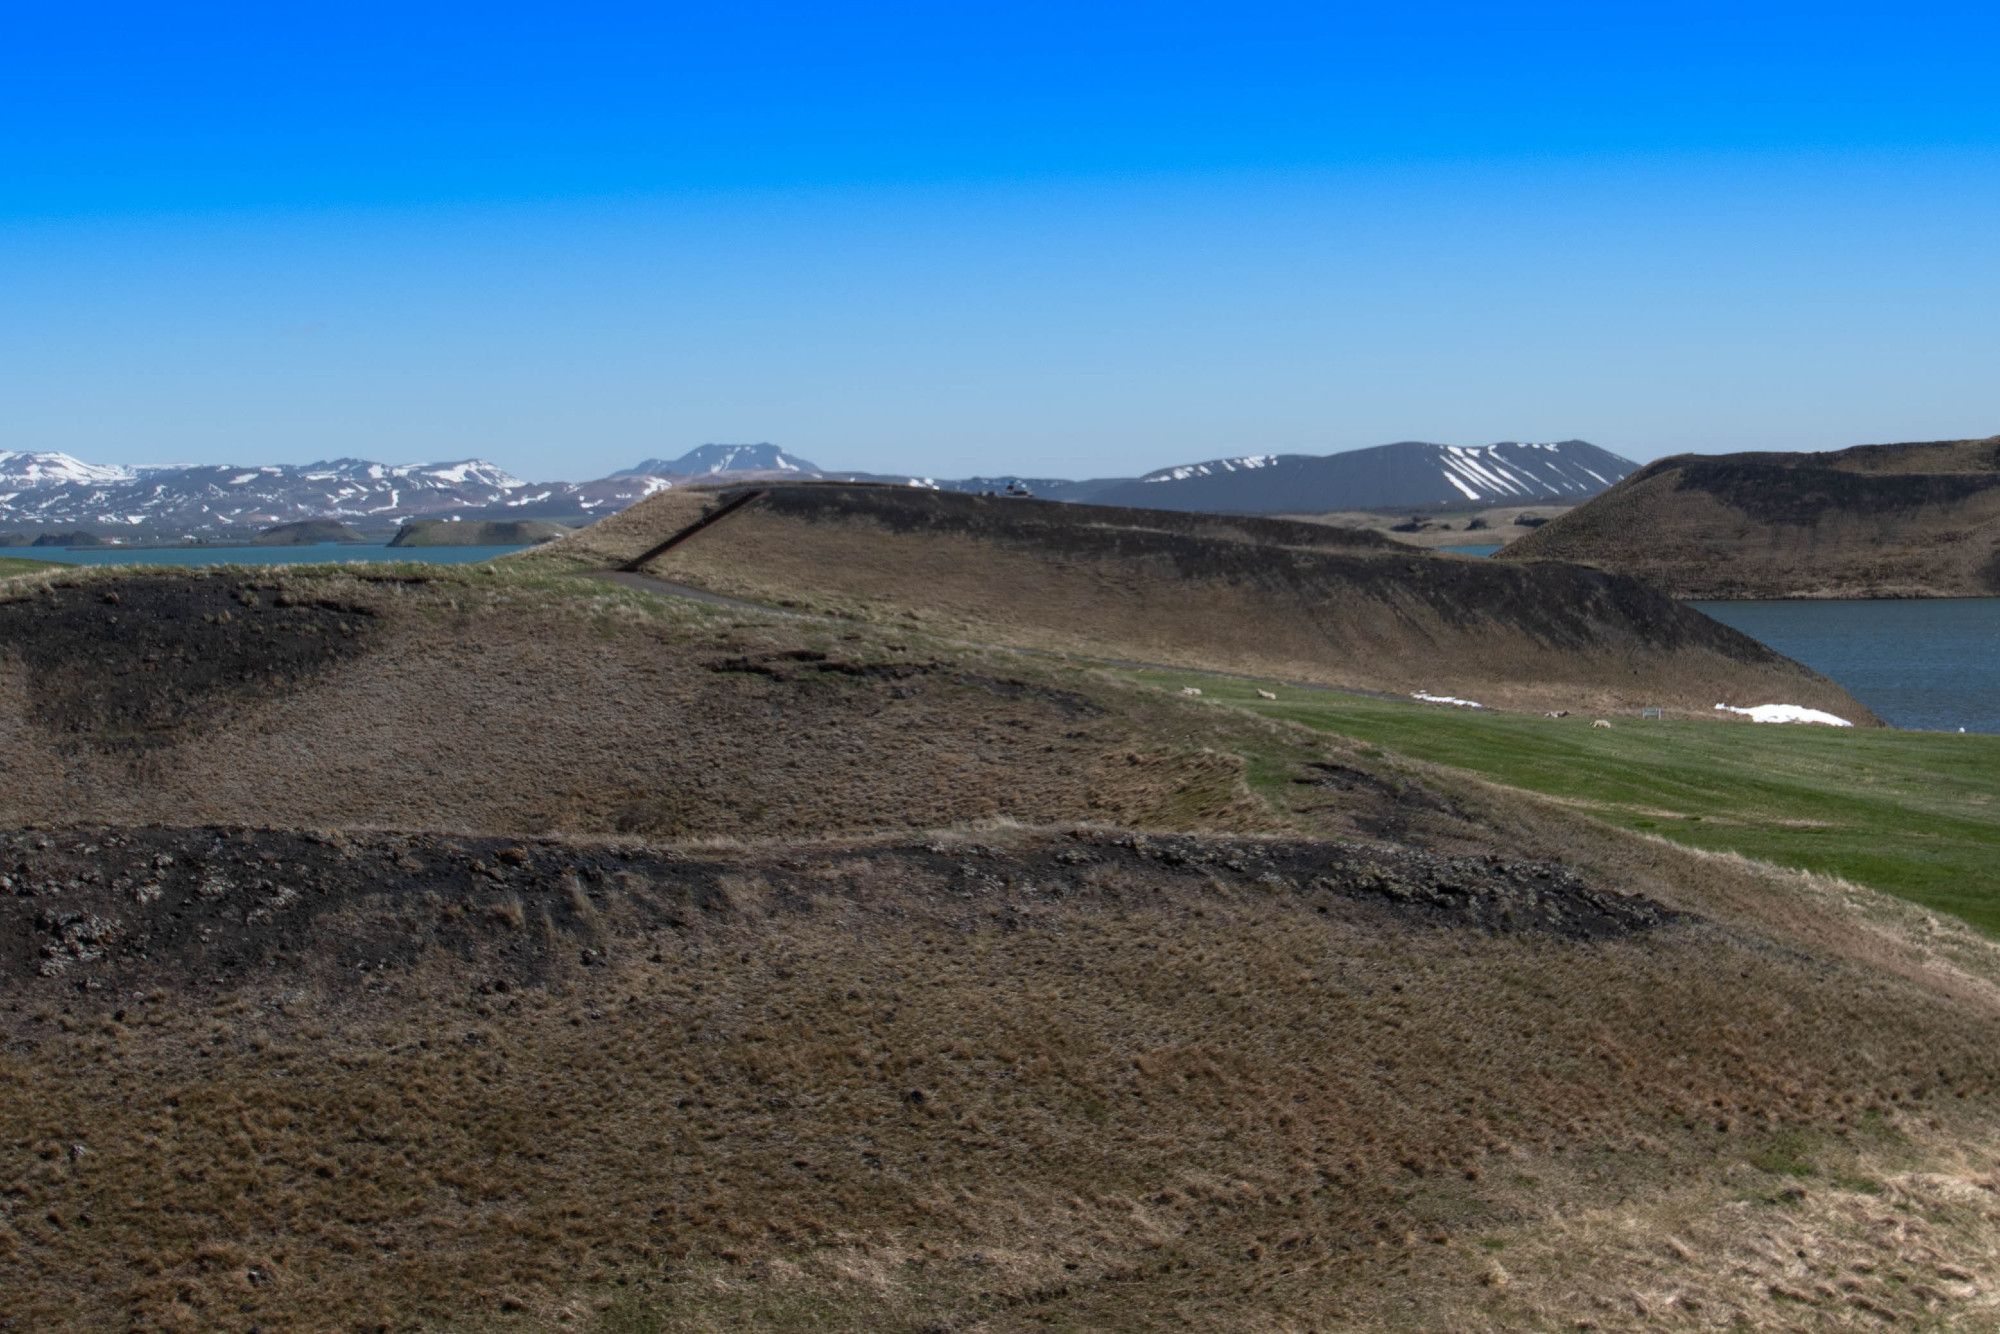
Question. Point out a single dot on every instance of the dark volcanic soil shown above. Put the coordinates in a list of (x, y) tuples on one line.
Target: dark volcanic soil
[(125, 663), (1791, 489), (107, 908)]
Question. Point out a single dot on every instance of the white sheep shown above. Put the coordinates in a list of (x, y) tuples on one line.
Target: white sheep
[(1265, 694), (1192, 691), (1599, 722)]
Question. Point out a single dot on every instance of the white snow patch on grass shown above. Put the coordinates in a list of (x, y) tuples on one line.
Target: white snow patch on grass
[(1452, 700), (1785, 713)]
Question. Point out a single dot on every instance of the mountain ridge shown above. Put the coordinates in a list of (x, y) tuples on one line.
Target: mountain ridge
[(43, 490)]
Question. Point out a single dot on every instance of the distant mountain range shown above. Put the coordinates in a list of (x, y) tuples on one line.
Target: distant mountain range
[(1409, 475), (42, 491)]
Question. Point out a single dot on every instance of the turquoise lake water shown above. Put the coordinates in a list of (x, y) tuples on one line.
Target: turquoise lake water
[(1931, 663), (1475, 548), (317, 554)]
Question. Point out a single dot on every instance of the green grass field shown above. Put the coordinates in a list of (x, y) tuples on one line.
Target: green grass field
[(1915, 814), (13, 565)]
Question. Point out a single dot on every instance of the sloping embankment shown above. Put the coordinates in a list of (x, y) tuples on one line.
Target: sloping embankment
[(1297, 601)]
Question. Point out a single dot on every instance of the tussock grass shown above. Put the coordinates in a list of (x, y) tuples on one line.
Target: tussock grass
[(789, 1069), (952, 1088)]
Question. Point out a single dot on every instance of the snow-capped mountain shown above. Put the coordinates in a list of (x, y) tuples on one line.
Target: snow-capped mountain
[(46, 491), (1215, 466), (205, 499), (1412, 474), (710, 460), (20, 470)]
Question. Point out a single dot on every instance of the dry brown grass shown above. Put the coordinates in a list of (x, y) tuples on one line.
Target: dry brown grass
[(476, 703), (727, 1070), (933, 1089)]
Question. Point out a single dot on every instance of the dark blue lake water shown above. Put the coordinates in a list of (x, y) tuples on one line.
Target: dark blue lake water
[(318, 554), (1930, 663)]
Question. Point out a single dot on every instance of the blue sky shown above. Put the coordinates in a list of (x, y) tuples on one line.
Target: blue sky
[(955, 238)]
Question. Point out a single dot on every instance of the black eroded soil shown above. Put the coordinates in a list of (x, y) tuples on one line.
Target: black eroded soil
[(124, 664), (105, 909)]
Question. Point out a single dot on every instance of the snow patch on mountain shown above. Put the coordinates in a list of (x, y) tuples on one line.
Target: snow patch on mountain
[(25, 469), (1211, 468), (714, 460)]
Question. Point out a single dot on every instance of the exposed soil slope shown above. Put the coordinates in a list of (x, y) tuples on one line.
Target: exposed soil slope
[(1299, 601), (465, 702), (135, 663), (1914, 520)]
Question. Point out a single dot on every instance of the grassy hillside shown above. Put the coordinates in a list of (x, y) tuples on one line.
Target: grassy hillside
[(1915, 520), (1913, 814), (1303, 601), (493, 948), (13, 565)]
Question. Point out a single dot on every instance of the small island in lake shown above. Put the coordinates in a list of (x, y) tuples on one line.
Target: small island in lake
[(306, 533), (476, 533)]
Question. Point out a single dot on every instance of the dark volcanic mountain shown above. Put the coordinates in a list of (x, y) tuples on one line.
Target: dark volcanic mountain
[(1410, 475), (1911, 520)]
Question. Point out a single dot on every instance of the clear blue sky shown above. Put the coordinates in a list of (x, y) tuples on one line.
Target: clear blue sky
[(959, 237)]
